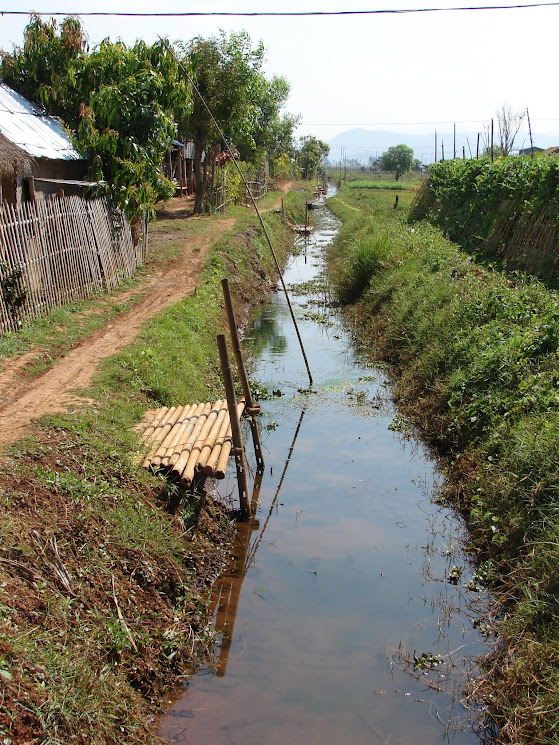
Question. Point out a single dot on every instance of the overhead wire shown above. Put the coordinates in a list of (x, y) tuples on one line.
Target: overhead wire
[(276, 14), (252, 199)]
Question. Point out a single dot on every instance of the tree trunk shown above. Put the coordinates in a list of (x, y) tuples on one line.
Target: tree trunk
[(199, 178)]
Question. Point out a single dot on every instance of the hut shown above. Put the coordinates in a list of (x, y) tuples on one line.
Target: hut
[(15, 167), (37, 154)]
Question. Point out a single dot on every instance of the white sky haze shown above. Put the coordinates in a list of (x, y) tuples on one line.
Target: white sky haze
[(406, 73)]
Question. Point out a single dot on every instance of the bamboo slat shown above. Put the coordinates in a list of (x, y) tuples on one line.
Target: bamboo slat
[(207, 448), (188, 472), (215, 464), (184, 423), (186, 440), (66, 249), (182, 460)]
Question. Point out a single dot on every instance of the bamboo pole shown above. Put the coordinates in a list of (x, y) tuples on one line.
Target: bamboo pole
[(160, 433), (174, 453), (188, 472), (180, 432), (182, 460), (175, 435), (224, 433), (238, 450), (148, 426), (211, 439), (252, 408)]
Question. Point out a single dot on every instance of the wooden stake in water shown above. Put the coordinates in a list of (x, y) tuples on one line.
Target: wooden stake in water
[(252, 408), (238, 450)]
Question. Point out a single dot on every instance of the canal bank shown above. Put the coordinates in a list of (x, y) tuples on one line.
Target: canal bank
[(347, 614)]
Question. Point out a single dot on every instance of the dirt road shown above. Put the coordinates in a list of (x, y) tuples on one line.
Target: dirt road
[(24, 400)]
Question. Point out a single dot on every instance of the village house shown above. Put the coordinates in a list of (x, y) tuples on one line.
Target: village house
[(36, 154)]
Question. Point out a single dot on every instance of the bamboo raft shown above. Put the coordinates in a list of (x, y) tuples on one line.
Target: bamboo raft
[(187, 440)]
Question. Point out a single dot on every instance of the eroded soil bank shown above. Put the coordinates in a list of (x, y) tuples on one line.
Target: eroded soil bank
[(103, 570)]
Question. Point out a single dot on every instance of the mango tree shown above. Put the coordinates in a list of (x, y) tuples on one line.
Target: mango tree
[(398, 160)]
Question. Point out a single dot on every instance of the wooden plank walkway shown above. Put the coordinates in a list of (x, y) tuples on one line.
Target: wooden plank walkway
[(187, 440)]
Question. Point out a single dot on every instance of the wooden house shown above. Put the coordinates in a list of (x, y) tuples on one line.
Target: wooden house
[(36, 154)]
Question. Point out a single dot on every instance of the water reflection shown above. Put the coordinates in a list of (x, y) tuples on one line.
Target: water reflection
[(266, 336), (226, 591), (337, 620)]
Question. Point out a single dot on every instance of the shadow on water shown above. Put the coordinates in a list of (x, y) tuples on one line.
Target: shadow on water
[(347, 613)]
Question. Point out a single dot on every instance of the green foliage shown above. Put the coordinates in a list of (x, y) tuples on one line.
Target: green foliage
[(375, 185), (496, 210), (398, 159), (284, 167), (122, 103), (310, 155), (244, 103), (47, 67)]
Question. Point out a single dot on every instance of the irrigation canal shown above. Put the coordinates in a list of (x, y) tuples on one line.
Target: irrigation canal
[(350, 568)]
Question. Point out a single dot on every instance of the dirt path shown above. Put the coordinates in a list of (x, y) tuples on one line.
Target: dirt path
[(22, 401)]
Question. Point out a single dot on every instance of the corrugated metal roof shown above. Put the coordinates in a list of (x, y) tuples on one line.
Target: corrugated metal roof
[(41, 136)]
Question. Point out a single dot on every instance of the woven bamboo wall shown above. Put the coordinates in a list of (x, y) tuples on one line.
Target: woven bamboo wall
[(55, 251)]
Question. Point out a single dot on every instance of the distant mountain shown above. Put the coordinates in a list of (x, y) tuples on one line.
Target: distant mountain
[(362, 144)]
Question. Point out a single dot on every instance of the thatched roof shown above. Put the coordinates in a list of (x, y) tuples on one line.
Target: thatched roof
[(13, 160)]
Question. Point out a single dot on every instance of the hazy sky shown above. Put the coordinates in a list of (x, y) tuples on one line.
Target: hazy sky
[(374, 72)]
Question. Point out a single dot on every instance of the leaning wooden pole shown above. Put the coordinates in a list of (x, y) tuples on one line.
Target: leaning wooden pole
[(253, 200), (238, 450), (252, 408)]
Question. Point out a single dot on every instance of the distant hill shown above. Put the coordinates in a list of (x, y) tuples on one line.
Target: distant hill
[(361, 144)]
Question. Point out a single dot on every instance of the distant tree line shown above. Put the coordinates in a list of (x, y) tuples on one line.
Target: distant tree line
[(124, 106)]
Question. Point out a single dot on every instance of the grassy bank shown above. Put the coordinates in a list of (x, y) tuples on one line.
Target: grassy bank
[(474, 355), (103, 571)]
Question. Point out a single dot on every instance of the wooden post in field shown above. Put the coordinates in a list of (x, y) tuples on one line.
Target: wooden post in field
[(477, 148), (238, 450), (31, 185), (454, 142), (435, 146), (463, 152), (252, 408), (530, 132), (442, 150), (282, 209), (492, 140)]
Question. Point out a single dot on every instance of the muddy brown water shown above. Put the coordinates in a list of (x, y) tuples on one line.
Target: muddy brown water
[(349, 568)]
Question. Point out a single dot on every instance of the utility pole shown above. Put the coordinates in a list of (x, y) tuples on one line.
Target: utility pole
[(530, 131)]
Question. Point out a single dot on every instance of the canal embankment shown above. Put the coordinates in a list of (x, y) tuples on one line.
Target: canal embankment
[(473, 353), (105, 568)]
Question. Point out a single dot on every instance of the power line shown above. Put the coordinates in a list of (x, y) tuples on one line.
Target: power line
[(275, 14)]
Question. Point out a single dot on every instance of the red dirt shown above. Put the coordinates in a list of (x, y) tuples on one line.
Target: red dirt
[(24, 400)]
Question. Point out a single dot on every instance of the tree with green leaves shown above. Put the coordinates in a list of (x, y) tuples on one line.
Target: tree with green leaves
[(310, 155), (246, 106), (121, 103), (398, 160)]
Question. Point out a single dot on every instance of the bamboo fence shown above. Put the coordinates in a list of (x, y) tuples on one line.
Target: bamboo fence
[(58, 250), (188, 440)]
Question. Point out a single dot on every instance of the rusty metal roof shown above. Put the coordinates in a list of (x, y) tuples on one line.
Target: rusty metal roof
[(26, 126)]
